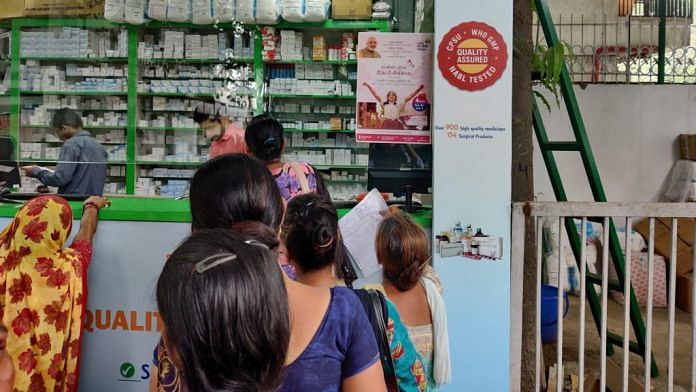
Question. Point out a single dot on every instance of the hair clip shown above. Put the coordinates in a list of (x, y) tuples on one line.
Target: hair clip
[(214, 261), (257, 243), (221, 258), (304, 210)]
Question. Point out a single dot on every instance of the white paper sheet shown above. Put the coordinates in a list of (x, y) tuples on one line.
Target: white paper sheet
[(359, 229)]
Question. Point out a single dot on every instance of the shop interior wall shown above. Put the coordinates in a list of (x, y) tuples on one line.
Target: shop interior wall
[(633, 132)]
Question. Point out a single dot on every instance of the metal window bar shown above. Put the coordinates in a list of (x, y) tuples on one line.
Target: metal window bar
[(585, 210), (675, 8), (608, 49)]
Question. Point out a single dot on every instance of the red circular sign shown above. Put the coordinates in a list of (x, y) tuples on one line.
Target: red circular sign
[(472, 56)]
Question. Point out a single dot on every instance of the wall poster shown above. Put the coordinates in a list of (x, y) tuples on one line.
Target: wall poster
[(394, 95)]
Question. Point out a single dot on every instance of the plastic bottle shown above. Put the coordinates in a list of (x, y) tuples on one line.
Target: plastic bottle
[(466, 241), (457, 232)]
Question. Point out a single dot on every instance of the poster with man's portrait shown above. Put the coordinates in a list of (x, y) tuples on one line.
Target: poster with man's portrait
[(394, 91)]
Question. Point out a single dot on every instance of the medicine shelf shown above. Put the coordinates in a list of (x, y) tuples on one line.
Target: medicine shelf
[(166, 177), (137, 70), (168, 129), (280, 115), (191, 95), (344, 181), (382, 25), (85, 93), (328, 62), (77, 59), (167, 163), (212, 60), (86, 127), (319, 96), (60, 142), (312, 148), (319, 130), (30, 160), (88, 110), (155, 24), (181, 95), (216, 78), (324, 167), (167, 110)]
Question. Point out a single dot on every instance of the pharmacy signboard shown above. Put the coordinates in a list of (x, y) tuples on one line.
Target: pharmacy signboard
[(472, 119)]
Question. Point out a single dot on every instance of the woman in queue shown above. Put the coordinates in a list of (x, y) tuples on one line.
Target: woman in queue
[(312, 238), (330, 345), (43, 291), (402, 250)]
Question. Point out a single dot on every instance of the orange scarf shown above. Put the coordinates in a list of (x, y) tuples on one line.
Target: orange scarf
[(42, 296)]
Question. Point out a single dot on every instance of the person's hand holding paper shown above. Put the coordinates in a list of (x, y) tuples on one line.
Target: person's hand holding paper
[(359, 229)]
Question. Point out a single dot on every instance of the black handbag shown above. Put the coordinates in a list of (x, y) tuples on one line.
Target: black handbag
[(375, 307)]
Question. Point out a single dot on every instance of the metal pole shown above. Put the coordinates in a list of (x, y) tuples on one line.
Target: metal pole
[(662, 41)]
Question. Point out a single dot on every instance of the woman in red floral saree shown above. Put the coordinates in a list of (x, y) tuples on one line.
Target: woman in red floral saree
[(43, 291)]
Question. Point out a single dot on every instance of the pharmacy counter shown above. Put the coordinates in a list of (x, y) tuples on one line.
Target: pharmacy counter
[(138, 209), (121, 323)]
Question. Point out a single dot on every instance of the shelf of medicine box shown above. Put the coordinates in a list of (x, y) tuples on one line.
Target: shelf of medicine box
[(216, 78), (168, 110), (156, 25), (189, 95), (78, 59), (280, 115), (167, 163), (87, 110), (325, 167), (166, 178), (211, 60), (86, 93), (56, 161), (312, 148), (86, 127), (102, 143), (329, 62), (318, 96), (382, 25), (168, 129), (345, 181), (319, 130)]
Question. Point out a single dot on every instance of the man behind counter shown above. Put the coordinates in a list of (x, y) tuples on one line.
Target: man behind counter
[(81, 167), (224, 135)]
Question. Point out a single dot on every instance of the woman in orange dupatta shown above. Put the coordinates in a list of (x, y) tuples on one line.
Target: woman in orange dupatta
[(43, 291)]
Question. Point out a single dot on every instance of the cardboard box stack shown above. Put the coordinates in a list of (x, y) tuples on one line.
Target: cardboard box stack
[(351, 9), (684, 258)]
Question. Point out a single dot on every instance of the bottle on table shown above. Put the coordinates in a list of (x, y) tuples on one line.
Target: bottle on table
[(474, 247), (457, 232), (466, 240)]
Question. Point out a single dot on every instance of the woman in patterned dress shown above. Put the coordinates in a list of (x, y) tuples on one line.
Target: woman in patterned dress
[(43, 291)]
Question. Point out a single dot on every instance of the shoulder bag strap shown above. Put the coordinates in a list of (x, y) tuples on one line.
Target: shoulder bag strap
[(380, 312)]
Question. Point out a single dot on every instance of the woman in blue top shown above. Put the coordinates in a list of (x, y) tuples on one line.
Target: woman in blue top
[(330, 347), (311, 235)]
